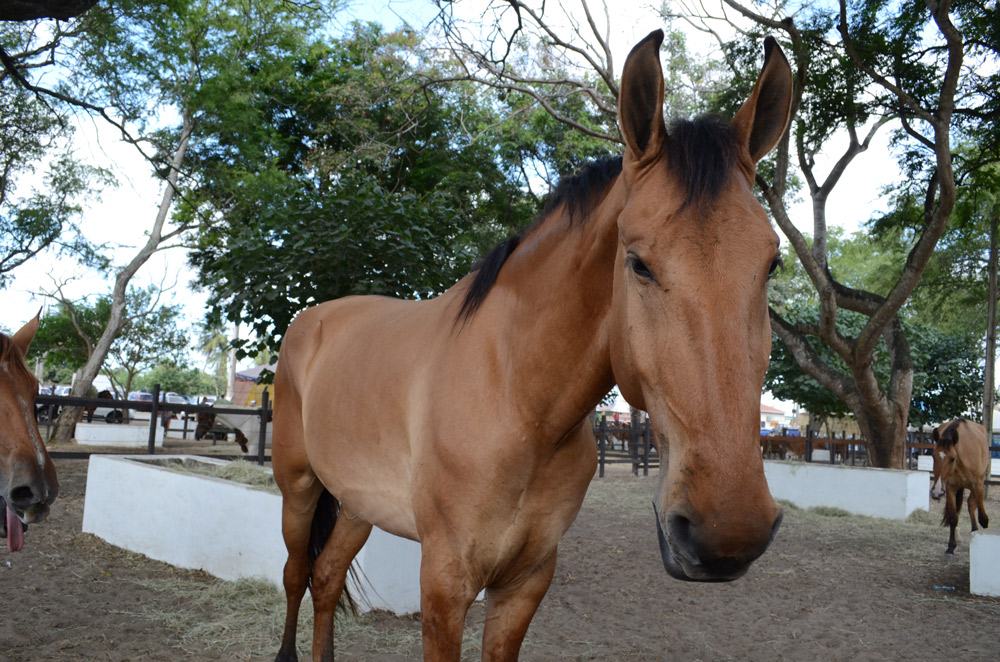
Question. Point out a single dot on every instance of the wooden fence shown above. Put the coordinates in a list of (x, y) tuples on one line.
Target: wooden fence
[(53, 403), (625, 444), (633, 444)]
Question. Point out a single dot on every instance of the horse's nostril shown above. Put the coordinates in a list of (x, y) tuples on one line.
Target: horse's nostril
[(679, 530), (22, 497)]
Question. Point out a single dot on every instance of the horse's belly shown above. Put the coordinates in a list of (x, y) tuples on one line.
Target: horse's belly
[(371, 484)]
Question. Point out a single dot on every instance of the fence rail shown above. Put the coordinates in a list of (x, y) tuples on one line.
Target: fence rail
[(54, 403), (633, 444)]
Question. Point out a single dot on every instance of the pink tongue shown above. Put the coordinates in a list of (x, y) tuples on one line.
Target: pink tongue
[(15, 532)]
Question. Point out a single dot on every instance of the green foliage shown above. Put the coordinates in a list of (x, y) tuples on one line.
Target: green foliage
[(356, 176), (178, 378), (32, 222), (947, 378), (59, 337), (151, 335)]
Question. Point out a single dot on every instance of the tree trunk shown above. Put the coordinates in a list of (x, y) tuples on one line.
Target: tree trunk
[(64, 429), (989, 381)]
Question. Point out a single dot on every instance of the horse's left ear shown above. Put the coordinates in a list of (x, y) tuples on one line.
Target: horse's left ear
[(22, 339), (763, 118)]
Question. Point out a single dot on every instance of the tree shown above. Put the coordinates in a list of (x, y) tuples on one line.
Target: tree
[(137, 58), (31, 133), (146, 340), (357, 175), (558, 59), (177, 377), (150, 334)]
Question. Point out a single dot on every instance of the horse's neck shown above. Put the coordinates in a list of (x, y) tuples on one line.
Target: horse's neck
[(558, 286)]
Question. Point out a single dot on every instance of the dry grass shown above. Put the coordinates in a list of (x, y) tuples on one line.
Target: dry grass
[(238, 471)]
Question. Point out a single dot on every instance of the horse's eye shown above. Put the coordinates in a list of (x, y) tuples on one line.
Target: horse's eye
[(639, 268), (776, 263)]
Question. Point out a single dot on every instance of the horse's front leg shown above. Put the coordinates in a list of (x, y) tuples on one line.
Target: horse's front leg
[(446, 592), (510, 609)]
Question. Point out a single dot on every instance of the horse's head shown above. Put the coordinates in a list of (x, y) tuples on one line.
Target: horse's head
[(945, 439), (690, 335), (28, 481)]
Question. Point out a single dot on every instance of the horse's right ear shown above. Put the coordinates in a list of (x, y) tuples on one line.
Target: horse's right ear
[(22, 339), (640, 108)]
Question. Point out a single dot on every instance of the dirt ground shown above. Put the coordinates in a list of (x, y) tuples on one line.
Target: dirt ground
[(832, 587)]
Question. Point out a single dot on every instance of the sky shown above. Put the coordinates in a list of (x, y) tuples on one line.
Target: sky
[(122, 216)]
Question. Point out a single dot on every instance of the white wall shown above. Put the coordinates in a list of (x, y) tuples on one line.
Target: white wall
[(227, 529), (859, 490), (107, 434)]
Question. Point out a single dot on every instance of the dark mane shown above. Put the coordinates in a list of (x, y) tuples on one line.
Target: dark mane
[(578, 192), (701, 154)]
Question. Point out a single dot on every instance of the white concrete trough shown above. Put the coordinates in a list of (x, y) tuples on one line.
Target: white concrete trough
[(225, 528), (887, 493), (984, 563), (109, 434)]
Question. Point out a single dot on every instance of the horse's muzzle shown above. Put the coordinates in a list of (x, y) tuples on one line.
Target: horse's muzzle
[(686, 558)]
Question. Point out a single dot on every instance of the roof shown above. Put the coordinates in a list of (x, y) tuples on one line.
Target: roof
[(764, 409), (253, 374)]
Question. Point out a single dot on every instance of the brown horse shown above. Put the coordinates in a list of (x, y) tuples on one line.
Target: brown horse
[(468, 413), (961, 462), (28, 483)]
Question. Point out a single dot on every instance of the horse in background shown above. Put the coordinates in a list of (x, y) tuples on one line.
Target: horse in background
[(961, 462), (469, 426), (28, 483)]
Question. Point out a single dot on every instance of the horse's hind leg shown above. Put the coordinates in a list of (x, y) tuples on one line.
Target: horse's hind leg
[(297, 510), (330, 575), (510, 609), (978, 497)]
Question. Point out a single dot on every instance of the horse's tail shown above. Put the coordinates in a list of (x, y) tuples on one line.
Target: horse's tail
[(324, 519)]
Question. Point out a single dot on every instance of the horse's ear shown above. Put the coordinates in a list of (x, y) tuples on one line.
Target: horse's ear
[(763, 118), (22, 339), (640, 108)]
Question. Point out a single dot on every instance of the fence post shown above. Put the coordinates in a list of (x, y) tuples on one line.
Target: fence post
[(602, 442), (809, 445), (633, 444), (262, 436), (48, 423), (833, 447), (152, 419), (646, 434)]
